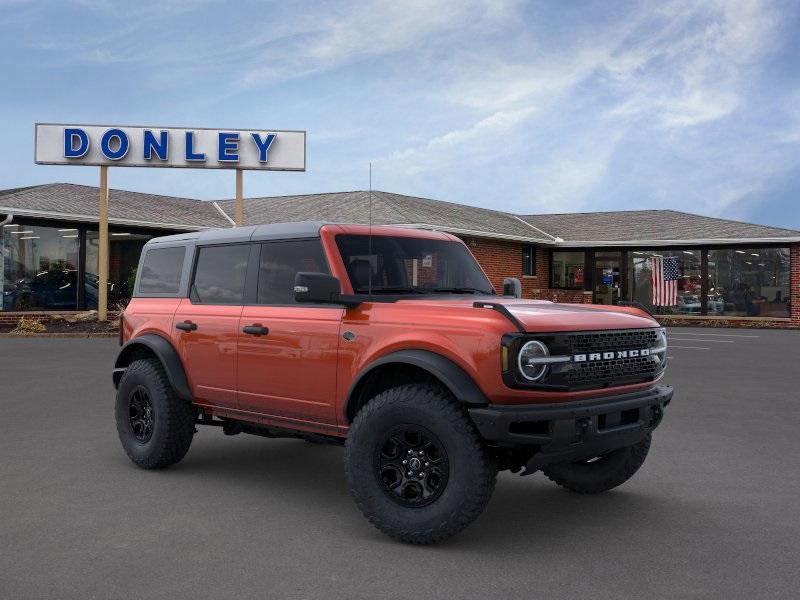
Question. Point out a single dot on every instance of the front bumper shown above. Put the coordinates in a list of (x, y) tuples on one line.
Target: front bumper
[(575, 430)]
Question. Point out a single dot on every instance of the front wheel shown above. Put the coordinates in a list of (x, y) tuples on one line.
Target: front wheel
[(154, 425), (416, 466), (600, 473)]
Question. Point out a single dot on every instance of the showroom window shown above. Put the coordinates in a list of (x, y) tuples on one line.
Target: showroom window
[(529, 261), (39, 267), (568, 270), (749, 282), (666, 281)]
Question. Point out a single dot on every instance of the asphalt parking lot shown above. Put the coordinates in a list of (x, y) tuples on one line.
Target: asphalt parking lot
[(714, 512)]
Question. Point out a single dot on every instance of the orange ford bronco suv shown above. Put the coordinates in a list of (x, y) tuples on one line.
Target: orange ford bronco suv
[(392, 342)]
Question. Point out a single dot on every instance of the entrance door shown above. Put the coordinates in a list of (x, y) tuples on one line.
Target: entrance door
[(607, 277), (287, 352)]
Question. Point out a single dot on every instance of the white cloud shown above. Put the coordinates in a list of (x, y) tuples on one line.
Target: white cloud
[(680, 67), (473, 145), (348, 32)]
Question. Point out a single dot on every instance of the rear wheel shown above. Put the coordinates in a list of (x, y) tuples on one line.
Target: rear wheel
[(153, 424), (416, 466), (600, 473)]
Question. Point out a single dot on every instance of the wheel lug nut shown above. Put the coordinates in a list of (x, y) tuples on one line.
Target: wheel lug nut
[(427, 464), (410, 473), (405, 461)]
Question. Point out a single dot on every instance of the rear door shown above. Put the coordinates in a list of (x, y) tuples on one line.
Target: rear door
[(206, 324), (287, 352)]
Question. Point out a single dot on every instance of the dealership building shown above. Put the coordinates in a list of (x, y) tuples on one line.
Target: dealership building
[(725, 272)]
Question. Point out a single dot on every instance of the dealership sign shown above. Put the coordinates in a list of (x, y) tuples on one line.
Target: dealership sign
[(193, 148)]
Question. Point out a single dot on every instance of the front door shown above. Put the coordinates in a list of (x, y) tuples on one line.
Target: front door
[(287, 353), (607, 277), (206, 325)]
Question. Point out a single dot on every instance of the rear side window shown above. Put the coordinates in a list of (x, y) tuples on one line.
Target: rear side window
[(161, 271), (280, 262), (220, 274)]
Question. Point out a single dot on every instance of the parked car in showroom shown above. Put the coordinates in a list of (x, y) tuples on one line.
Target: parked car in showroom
[(51, 288)]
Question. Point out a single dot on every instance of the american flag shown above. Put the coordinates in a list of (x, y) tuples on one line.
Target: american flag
[(665, 280)]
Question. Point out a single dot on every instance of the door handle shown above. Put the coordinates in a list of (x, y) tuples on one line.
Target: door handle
[(255, 329), (186, 326)]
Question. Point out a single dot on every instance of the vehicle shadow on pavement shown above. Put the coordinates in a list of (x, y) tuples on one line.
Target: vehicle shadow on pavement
[(525, 511)]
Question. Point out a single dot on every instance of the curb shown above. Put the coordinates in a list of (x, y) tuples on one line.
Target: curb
[(58, 335)]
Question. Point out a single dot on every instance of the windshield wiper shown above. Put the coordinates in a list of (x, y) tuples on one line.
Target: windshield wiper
[(398, 289), (459, 290)]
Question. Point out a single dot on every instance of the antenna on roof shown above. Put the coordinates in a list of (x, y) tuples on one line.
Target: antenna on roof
[(369, 243)]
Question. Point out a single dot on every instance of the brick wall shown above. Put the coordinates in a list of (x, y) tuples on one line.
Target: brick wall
[(501, 259)]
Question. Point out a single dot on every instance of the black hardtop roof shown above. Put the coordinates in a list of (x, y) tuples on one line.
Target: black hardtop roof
[(276, 231)]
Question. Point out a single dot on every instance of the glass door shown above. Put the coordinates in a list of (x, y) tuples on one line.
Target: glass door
[(607, 276)]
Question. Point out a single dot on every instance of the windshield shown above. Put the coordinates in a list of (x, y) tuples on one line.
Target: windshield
[(400, 265)]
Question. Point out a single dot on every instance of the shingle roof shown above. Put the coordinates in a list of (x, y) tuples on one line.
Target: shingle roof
[(387, 209), (651, 225), (79, 202)]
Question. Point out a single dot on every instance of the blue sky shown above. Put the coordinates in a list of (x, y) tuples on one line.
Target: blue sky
[(521, 106)]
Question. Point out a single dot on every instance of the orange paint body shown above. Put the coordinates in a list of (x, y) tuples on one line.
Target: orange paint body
[(301, 373)]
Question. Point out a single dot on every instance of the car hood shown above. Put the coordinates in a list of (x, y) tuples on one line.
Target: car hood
[(545, 316)]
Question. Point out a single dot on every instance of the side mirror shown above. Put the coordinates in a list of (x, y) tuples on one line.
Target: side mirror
[(512, 287), (318, 288)]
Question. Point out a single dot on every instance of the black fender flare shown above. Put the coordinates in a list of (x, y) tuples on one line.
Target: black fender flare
[(452, 376), (165, 352)]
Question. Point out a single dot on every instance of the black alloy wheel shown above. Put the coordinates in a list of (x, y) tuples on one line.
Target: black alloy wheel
[(415, 464), (154, 425), (140, 414), (411, 465)]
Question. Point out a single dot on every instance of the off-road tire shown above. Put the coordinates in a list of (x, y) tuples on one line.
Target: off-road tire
[(172, 418), (607, 472), (471, 472)]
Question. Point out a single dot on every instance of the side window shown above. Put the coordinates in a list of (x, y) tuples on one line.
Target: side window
[(161, 271), (220, 273), (280, 262)]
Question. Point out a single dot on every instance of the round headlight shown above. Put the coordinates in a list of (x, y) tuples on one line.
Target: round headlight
[(527, 360)]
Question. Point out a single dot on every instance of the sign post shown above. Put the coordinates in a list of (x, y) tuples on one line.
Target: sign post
[(102, 254), (239, 210), (175, 147)]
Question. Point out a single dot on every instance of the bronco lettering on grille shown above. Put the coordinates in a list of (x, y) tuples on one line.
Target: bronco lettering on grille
[(596, 356)]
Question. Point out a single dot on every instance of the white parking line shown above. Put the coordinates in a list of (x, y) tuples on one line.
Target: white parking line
[(689, 347), (700, 340), (736, 335)]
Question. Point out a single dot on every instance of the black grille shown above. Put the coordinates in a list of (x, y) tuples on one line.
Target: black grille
[(584, 343), (607, 372), (614, 371)]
